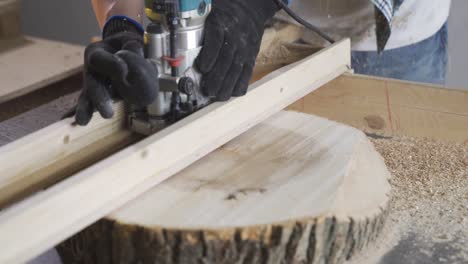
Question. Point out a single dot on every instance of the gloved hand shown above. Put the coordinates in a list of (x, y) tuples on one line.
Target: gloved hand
[(116, 67), (233, 34)]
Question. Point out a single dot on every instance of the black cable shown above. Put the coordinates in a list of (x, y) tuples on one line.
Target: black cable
[(301, 21)]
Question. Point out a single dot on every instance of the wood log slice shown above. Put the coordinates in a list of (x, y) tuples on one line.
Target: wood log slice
[(294, 189)]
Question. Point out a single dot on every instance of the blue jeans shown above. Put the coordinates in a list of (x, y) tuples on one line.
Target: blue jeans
[(425, 61)]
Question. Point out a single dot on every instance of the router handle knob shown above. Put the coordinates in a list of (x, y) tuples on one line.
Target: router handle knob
[(186, 85)]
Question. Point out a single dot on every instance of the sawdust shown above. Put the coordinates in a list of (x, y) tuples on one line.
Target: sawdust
[(428, 218)]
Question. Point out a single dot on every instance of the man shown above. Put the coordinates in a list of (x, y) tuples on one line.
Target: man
[(416, 50), (233, 32)]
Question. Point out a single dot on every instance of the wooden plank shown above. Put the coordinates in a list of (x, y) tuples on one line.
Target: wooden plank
[(290, 176), (46, 156), (80, 200), (35, 64), (391, 108)]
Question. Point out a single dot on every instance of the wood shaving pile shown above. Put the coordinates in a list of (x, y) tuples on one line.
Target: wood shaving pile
[(429, 201)]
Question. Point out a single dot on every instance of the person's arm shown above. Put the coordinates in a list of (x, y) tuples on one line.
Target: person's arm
[(115, 67), (104, 9)]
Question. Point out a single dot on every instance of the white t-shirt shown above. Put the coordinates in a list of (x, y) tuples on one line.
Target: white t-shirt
[(414, 21)]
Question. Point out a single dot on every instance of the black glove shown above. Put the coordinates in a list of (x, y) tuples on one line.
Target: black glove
[(116, 67), (233, 34)]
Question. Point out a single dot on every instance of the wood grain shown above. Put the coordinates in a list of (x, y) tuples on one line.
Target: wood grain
[(136, 169), (293, 189), (50, 154)]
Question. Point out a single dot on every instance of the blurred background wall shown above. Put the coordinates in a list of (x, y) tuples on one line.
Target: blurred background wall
[(66, 20), (73, 21), (458, 43)]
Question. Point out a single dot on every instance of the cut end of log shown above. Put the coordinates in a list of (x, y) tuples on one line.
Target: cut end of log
[(294, 189)]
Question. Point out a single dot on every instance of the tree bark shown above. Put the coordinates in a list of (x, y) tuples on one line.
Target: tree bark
[(324, 240)]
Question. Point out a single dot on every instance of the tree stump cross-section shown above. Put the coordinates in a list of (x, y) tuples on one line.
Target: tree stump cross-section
[(294, 189)]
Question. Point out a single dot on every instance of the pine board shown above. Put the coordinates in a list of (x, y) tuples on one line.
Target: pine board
[(35, 64), (48, 155)]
